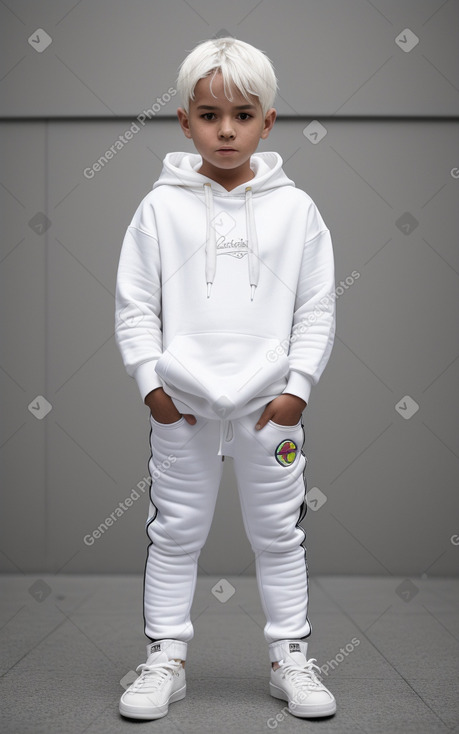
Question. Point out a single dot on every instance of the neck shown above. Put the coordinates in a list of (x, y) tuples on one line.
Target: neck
[(229, 179)]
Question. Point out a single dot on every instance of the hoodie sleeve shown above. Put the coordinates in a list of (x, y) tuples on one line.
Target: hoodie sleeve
[(138, 306), (314, 323)]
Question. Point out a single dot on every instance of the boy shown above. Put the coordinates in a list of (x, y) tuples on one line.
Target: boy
[(225, 318)]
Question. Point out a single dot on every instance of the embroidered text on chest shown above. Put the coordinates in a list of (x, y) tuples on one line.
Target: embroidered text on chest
[(234, 247)]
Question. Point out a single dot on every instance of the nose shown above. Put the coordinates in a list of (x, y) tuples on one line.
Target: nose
[(226, 130)]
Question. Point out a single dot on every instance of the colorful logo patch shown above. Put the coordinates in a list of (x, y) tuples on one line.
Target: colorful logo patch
[(286, 452)]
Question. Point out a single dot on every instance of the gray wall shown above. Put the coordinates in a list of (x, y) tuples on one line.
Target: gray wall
[(385, 177)]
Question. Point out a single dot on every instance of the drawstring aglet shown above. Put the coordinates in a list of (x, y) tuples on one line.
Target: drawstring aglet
[(252, 291), (209, 286)]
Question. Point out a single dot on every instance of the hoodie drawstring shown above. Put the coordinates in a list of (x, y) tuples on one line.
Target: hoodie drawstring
[(211, 244), (254, 262)]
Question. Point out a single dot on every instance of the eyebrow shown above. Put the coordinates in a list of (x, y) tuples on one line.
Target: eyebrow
[(238, 107)]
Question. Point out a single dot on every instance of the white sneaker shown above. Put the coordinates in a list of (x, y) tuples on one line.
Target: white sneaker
[(296, 681), (161, 682)]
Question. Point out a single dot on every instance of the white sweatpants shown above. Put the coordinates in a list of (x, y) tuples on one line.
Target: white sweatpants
[(186, 469)]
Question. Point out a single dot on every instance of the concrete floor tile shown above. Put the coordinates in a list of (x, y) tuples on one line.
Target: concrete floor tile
[(66, 642)]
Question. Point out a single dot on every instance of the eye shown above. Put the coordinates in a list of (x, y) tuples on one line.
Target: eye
[(208, 116), (244, 116)]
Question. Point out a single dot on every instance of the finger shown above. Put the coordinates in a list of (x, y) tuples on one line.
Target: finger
[(264, 418), (189, 419)]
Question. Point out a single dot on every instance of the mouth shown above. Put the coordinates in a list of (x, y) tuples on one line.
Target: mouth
[(226, 150)]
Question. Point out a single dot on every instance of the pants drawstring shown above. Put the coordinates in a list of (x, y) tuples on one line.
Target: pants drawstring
[(229, 434), (220, 444)]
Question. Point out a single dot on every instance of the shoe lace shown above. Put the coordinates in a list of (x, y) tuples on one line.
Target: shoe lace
[(304, 676), (154, 675)]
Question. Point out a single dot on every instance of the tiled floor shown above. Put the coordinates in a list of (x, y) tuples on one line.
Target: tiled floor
[(388, 647)]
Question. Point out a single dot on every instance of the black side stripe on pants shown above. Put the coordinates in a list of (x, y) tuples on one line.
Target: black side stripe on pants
[(301, 516), (150, 521)]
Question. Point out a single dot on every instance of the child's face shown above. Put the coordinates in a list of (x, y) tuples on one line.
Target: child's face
[(225, 133)]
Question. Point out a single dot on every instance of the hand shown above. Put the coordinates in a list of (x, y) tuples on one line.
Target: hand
[(163, 409), (286, 410)]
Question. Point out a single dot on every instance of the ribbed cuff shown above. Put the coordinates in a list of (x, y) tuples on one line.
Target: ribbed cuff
[(146, 378), (298, 384)]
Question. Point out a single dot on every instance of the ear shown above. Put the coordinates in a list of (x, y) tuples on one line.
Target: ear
[(270, 119), (184, 122)]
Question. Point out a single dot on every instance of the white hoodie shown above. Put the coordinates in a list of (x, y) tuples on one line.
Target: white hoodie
[(225, 298)]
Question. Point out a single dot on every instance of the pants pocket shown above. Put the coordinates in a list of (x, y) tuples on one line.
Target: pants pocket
[(285, 428), (166, 426)]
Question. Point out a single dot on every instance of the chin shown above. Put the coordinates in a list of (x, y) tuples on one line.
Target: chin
[(223, 163)]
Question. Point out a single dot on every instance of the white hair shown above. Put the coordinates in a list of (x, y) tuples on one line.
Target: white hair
[(241, 64)]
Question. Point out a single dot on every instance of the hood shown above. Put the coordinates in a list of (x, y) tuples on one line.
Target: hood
[(181, 169)]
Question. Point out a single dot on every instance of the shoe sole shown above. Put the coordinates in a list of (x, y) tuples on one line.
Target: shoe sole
[(143, 712), (313, 712)]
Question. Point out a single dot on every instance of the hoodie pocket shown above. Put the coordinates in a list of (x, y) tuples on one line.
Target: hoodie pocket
[(225, 370)]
